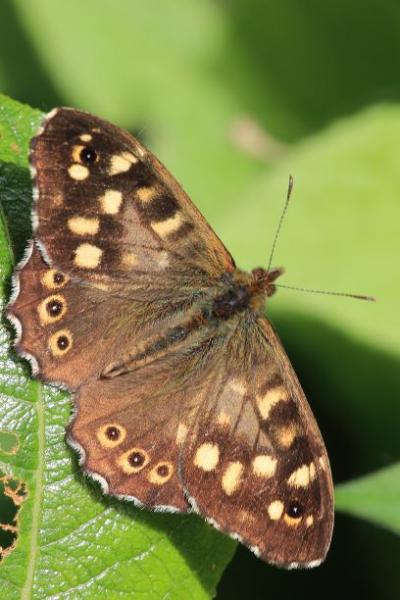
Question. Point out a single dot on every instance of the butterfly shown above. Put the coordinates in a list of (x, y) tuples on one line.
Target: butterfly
[(184, 399)]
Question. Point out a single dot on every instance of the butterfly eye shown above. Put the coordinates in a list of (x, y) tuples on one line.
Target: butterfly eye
[(88, 155), (295, 510)]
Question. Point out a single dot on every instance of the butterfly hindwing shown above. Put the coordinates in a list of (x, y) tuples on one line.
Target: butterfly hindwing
[(255, 464)]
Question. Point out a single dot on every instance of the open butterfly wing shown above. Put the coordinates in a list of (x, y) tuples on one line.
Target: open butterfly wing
[(255, 464), (108, 210)]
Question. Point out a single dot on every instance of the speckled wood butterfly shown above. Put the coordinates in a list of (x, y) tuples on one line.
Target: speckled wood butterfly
[(184, 397)]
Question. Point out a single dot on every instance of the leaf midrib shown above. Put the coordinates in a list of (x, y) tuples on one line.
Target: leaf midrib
[(26, 592)]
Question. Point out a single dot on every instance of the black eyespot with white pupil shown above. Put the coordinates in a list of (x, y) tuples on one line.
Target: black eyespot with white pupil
[(136, 459), (295, 510), (62, 342), (54, 308), (113, 433), (88, 155), (58, 278)]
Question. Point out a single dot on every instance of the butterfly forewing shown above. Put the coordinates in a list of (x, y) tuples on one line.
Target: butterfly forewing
[(107, 208), (184, 396)]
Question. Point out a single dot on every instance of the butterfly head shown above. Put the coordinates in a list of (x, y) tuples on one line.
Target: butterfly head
[(263, 281)]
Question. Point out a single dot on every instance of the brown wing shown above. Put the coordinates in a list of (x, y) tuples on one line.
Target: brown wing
[(72, 331), (130, 429), (108, 210), (255, 464)]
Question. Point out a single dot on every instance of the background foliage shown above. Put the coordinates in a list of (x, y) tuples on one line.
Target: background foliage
[(233, 96)]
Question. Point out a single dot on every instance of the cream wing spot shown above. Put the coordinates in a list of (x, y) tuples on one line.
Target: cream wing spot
[(83, 225), (121, 163), (78, 172), (300, 477), (286, 435), (146, 194), (264, 466), (111, 435), (275, 510), (86, 137), (223, 419), (88, 256), (267, 401), (110, 202), (165, 228), (207, 456), (309, 520), (232, 477), (181, 433), (239, 387), (76, 151), (128, 260), (163, 260)]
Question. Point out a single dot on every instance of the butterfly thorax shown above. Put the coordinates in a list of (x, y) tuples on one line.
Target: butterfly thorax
[(245, 290)]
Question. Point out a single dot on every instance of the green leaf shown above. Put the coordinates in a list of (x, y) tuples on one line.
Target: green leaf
[(72, 541), (375, 497)]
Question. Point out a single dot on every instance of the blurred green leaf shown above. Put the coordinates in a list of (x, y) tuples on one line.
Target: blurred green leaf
[(341, 231), (73, 541), (375, 497)]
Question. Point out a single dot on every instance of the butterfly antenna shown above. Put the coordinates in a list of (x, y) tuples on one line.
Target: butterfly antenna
[(312, 291), (289, 192)]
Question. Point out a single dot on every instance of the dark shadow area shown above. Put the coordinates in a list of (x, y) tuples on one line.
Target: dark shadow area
[(24, 75), (362, 563), (12, 495), (313, 62)]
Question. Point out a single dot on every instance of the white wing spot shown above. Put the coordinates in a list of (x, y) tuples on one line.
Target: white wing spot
[(181, 434), (83, 225), (78, 172), (164, 228), (88, 256), (110, 202), (301, 477), (232, 477), (275, 510), (120, 163), (309, 520), (264, 465), (145, 194), (266, 402), (207, 456)]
